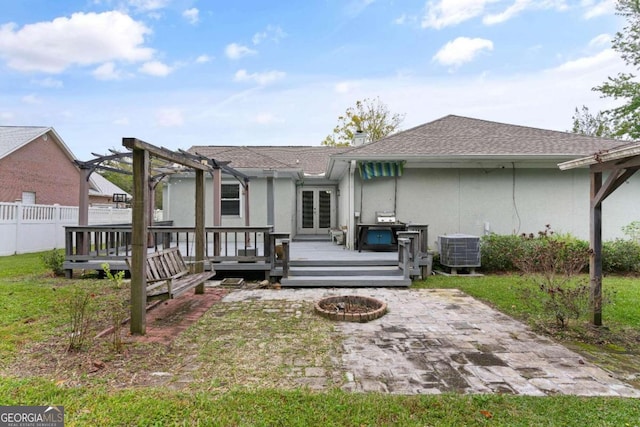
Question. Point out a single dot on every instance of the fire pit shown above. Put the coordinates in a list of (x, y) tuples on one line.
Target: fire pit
[(351, 308)]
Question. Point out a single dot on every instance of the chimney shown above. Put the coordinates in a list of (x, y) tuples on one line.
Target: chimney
[(360, 138)]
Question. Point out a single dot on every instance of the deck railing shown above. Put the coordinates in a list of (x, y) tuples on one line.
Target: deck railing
[(112, 244)]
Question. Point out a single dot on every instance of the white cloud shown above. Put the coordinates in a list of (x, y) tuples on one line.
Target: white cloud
[(83, 39), (598, 8), (107, 71), (49, 83), (155, 68), (237, 51), (31, 99), (343, 87), (202, 59), (122, 121), (444, 13), (451, 12), (517, 7), (600, 41), (267, 118), (600, 59), (192, 15), (259, 78), (148, 5), (462, 50), (169, 117), (272, 32)]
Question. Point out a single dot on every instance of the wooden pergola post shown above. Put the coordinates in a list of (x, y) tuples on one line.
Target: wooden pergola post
[(595, 246), (217, 208), (140, 221), (82, 244), (199, 227), (621, 164), (139, 240)]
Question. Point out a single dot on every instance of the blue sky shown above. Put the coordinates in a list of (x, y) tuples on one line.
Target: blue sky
[(177, 73)]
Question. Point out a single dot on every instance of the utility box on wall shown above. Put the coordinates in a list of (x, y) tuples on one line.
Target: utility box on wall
[(459, 250)]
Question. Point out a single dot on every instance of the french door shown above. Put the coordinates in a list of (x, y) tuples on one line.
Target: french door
[(315, 210)]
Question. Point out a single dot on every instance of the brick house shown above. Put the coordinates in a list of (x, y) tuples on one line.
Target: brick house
[(37, 167)]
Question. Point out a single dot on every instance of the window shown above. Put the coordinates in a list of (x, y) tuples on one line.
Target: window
[(231, 199)]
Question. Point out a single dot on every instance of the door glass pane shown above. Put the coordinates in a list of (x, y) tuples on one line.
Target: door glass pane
[(307, 209), (324, 209)]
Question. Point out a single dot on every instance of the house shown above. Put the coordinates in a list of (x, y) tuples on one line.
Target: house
[(454, 174), (37, 167)]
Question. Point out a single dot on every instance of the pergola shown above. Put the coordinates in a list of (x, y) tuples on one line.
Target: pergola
[(619, 164), (141, 154)]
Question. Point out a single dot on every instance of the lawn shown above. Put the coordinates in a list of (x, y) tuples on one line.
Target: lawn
[(248, 382)]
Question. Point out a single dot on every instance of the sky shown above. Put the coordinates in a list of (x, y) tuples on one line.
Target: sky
[(178, 73)]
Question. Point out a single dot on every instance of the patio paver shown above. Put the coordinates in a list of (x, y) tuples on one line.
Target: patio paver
[(437, 341)]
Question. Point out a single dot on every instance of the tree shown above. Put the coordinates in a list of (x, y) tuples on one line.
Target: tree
[(125, 181), (600, 125), (624, 85), (370, 116)]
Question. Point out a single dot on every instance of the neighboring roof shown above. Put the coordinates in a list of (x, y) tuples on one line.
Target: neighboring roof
[(101, 186), (14, 137), (462, 136), (310, 159)]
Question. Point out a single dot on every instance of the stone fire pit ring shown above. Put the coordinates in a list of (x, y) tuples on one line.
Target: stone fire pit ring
[(351, 308)]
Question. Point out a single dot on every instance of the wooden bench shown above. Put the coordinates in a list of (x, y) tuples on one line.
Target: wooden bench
[(168, 275)]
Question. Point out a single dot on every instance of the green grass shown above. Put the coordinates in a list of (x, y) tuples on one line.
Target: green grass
[(269, 407), (31, 311), (16, 266), (504, 292)]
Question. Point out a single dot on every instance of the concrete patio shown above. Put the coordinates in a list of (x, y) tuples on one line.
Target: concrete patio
[(440, 341)]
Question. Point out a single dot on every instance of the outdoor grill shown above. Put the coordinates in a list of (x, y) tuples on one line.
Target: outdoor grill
[(386, 217), (382, 235)]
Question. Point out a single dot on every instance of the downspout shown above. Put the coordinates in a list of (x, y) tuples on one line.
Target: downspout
[(351, 211)]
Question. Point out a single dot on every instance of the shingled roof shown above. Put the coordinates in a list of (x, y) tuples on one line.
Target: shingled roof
[(14, 137), (310, 159), (462, 136)]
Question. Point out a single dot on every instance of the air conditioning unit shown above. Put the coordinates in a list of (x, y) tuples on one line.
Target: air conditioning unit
[(459, 250)]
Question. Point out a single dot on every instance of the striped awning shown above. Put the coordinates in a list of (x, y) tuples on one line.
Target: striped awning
[(369, 170)]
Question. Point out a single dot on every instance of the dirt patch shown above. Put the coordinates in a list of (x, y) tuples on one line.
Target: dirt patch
[(134, 365)]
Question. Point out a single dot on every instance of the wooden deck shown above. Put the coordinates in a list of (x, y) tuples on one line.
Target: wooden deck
[(250, 252)]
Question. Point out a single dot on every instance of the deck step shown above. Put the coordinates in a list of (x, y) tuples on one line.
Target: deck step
[(349, 270), (345, 281), (343, 263)]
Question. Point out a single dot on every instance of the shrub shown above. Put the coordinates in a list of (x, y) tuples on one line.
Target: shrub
[(54, 260), (115, 278), (552, 263), (79, 309), (621, 256), (632, 230), (497, 252)]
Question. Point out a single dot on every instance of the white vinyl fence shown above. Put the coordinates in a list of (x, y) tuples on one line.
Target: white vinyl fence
[(33, 228)]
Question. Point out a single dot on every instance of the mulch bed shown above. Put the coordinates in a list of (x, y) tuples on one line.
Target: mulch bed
[(167, 319)]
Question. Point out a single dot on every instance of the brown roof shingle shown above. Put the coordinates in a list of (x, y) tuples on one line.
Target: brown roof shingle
[(310, 159), (462, 136)]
